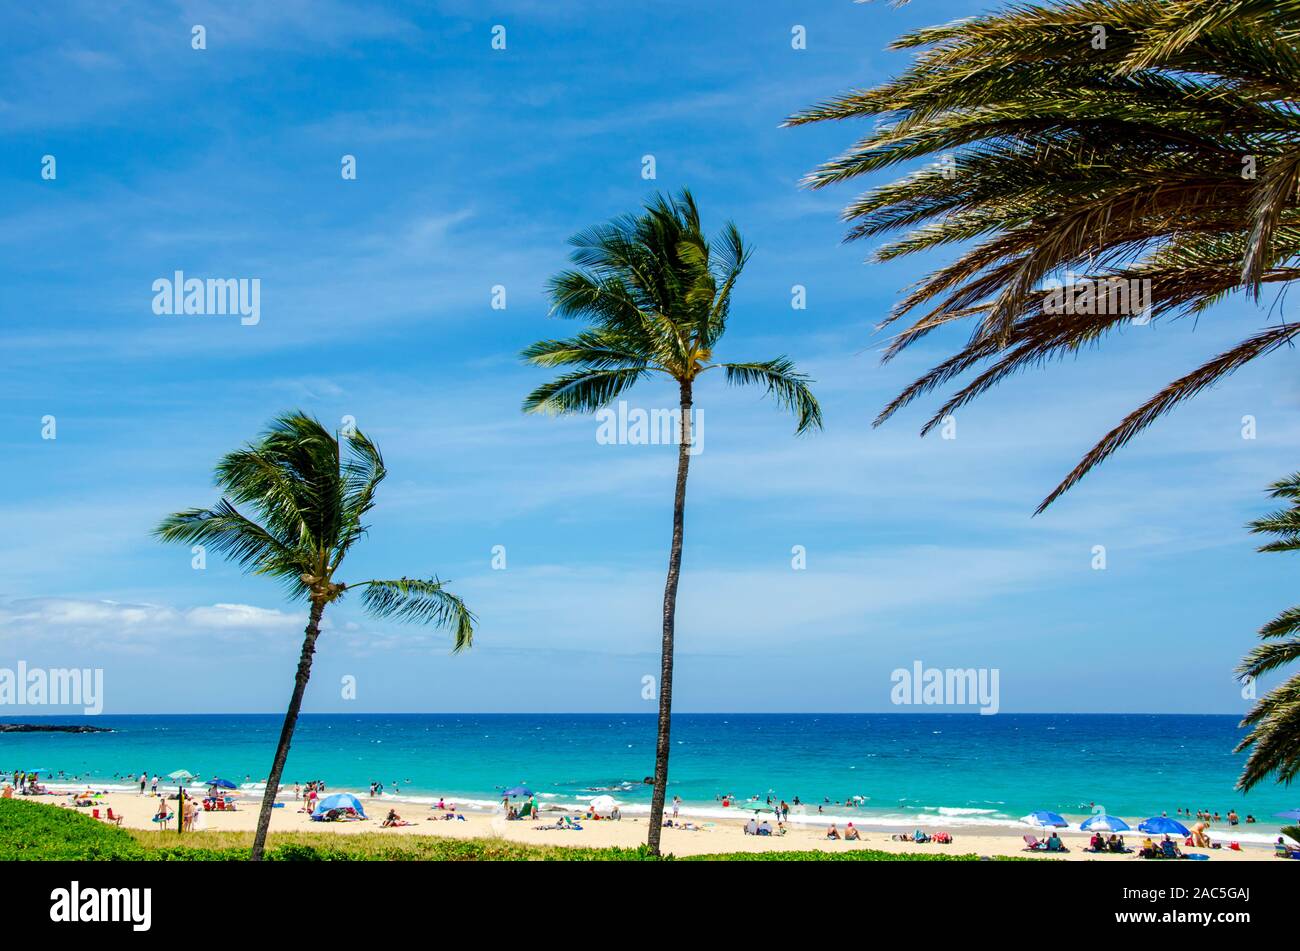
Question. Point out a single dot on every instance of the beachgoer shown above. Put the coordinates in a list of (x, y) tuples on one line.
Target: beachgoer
[(851, 833), (832, 832)]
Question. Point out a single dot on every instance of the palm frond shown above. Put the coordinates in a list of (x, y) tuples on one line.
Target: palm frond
[(224, 530), (1173, 394), (422, 602), (1099, 137), (1273, 740), (788, 387), (582, 391), (600, 349)]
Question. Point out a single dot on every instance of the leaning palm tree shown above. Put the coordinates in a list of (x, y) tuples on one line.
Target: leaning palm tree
[(309, 491), (1087, 149), (657, 293), (1274, 737)]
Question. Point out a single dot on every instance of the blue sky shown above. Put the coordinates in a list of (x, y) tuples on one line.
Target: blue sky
[(474, 166)]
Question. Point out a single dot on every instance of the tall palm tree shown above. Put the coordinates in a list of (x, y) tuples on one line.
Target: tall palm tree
[(1133, 140), (1274, 737), (309, 491), (657, 293)]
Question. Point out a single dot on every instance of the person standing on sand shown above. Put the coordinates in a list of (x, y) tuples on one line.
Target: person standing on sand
[(144, 778), (677, 805), (154, 788)]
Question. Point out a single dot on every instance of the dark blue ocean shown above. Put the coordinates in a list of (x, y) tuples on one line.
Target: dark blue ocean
[(907, 768)]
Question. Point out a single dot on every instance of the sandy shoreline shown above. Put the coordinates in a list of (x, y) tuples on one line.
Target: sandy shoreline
[(716, 835)]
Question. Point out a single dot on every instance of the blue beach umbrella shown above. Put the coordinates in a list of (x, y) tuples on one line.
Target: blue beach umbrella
[(1293, 814), (338, 801), (221, 783), (518, 791), (1044, 819), (1104, 823), (1163, 825)]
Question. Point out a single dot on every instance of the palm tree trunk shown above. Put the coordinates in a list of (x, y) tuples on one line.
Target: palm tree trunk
[(670, 616), (286, 732)]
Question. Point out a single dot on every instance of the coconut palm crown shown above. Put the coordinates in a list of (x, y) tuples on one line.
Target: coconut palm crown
[(657, 293)]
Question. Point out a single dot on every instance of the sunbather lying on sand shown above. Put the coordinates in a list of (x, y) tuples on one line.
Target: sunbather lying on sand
[(688, 826)]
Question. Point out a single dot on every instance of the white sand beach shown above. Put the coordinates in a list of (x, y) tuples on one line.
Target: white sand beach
[(716, 835)]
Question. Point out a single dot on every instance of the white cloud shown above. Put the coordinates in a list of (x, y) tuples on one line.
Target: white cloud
[(139, 628)]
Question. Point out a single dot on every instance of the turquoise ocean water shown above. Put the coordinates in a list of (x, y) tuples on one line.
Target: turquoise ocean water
[(925, 769)]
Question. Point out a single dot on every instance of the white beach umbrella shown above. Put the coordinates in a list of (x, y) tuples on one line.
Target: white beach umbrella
[(603, 805)]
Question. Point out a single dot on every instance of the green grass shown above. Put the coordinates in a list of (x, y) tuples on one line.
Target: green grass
[(37, 831), (30, 830)]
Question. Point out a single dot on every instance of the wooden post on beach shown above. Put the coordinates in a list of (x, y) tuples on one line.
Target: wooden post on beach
[(180, 810)]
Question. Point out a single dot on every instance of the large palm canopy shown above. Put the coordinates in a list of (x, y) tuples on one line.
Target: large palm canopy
[(309, 492), (657, 293), (1135, 139)]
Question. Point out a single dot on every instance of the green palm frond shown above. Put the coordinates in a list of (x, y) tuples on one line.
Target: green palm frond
[(424, 602), (250, 546), (582, 391), (1286, 624), (1181, 389), (1274, 736), (787, 387), (1134, 139), (601, 349), (291, 477), (1272, 656), (1273, 739)]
